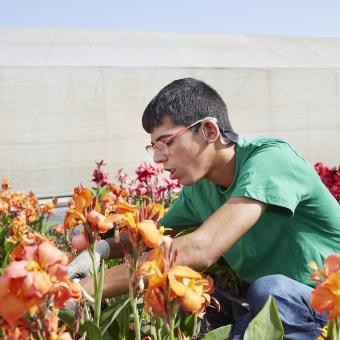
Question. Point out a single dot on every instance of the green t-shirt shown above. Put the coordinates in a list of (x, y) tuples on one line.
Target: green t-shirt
[(301, 223)]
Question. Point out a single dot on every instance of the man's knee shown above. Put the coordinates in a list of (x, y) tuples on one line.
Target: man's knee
[(260, 290)]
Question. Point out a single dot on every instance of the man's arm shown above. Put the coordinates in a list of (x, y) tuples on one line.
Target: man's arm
[(199, 249), (116, 282), (204, 246)]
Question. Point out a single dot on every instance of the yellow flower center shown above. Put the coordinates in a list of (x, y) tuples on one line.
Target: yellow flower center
[(33, 266)]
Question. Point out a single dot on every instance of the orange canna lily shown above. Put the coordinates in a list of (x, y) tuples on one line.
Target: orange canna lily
[(19, 330), (150, 234), (5, 184), (99, 221), (326, 296), (23, 285), (123, 208), (118, 192), (154, 269), (155, 303), (82, 198), (73, 218), (332, 264), (190, 288), (154, 211)]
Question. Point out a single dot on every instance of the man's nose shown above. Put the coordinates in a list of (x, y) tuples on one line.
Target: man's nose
[(159, 157)]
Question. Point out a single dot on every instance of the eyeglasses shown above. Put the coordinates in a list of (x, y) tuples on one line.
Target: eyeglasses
[(162, 144)]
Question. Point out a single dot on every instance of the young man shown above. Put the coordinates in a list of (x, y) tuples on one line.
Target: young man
[(257, 203)]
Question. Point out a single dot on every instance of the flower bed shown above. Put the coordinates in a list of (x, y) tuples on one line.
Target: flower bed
[(39, 301)]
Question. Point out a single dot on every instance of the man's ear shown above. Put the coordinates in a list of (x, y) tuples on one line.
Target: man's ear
[(210, 131)]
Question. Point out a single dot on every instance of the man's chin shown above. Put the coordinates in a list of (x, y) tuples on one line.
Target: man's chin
[(187, 181)]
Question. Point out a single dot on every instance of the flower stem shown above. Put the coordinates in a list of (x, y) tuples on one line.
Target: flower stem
[(133, 302), (172, 328)]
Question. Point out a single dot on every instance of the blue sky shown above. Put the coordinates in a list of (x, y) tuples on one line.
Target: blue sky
[(284, 17)]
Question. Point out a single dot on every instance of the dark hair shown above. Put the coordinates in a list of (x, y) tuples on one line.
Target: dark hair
[(185, 101)]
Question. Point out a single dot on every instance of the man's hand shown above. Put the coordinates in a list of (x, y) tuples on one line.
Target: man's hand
[(82, 265)]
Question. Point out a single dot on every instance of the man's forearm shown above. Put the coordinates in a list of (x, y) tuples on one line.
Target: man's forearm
[(116, 282)]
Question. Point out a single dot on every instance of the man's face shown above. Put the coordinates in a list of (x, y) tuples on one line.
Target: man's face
[(184, 157)]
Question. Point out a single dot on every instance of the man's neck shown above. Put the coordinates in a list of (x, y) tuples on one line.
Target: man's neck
[(223, 168)]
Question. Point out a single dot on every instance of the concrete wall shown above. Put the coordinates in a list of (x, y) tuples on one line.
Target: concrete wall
[(57, 120)]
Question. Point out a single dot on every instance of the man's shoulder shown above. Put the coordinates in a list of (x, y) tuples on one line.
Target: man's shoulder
[(264, 141), (271, 146)]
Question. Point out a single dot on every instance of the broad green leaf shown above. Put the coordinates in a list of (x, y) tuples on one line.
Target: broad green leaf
[(189, 324), (221, 333), (92, 331), (67, 316), (110, 315), (266, 325)]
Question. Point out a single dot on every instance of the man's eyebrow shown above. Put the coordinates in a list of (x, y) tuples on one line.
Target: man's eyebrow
[(163, 136)]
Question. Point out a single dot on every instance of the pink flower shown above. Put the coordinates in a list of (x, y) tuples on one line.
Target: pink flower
[(101, 178), (145, 171)]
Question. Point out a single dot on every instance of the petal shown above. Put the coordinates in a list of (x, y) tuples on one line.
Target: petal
[(322, 299), (94, 217), (105, 225), (36, 284), (50, 255), (11, 307), (332, 264), (73, 218), (16, 269), (124, 208), (82, 198), (149, 233), (192, 301), (153, 211), (184, 271), (178, 288)]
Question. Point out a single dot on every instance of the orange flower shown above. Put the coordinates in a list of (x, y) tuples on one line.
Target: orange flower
[(127, 208), (82, 198), (118, 192), (190, 288), (73, 218), (22, 286), (49, 207), (171, 285), (100, 222), (5, 184), (155, 303), (18, 228), (326, 296), (154, 269), (37, 271), (19, 330), (150, 234), (154, 211)]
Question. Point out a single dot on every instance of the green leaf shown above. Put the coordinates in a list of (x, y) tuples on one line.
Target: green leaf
[(99, 293), (266, 325), (221, 333), (189, 324), (110, 315), (92, 331), (67, 316)]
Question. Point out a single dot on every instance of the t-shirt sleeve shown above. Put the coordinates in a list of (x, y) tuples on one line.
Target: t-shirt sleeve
[(273, 175), (182, 213)]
